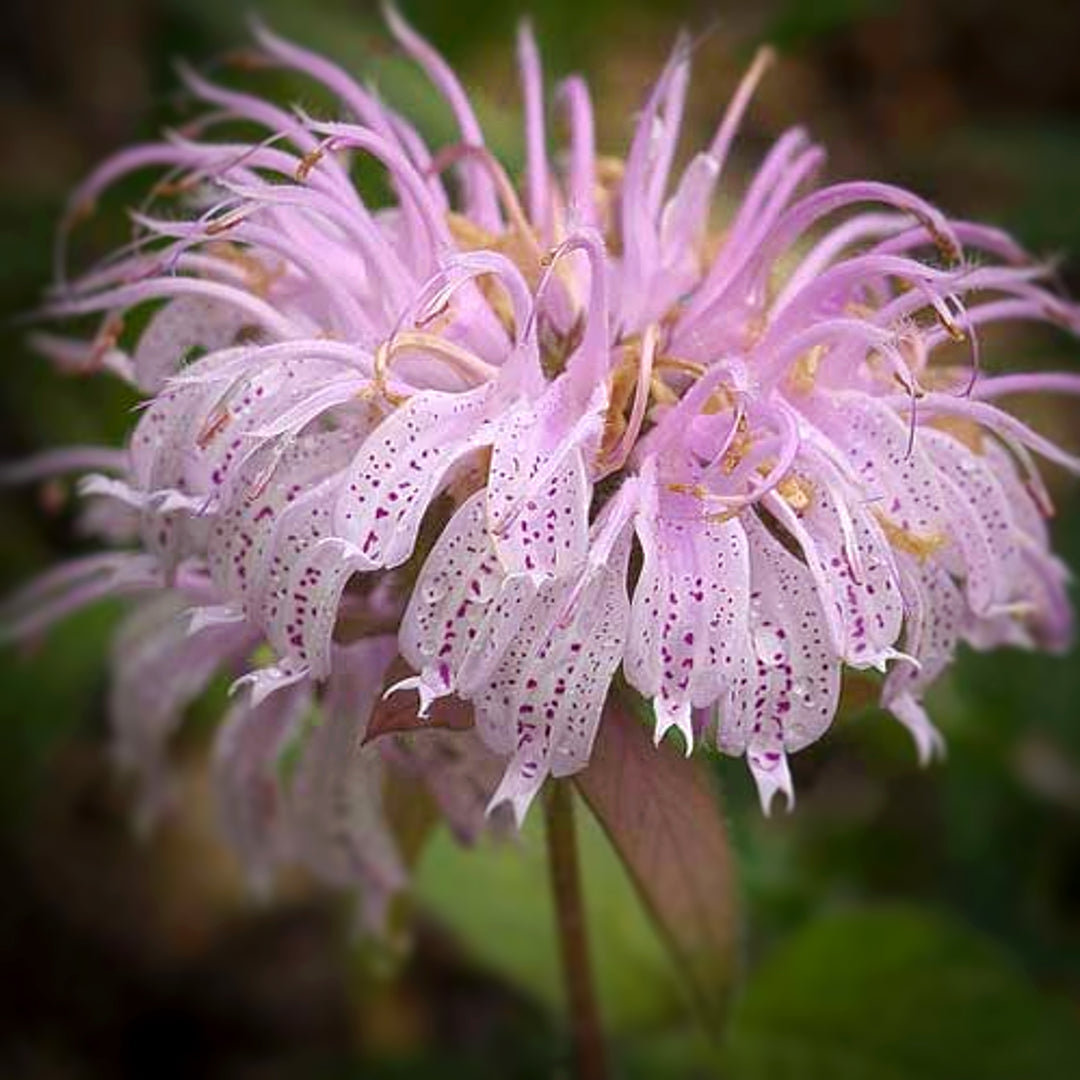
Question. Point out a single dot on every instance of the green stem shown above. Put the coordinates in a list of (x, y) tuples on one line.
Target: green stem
[(590, 1057)]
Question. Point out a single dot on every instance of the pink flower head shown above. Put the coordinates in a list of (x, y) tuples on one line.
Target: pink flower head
[(540, 433)]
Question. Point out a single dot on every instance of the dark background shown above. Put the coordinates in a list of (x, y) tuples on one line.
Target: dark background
[(903, 922)]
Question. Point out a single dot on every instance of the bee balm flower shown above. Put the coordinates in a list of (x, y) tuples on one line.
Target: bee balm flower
[(540, 433)]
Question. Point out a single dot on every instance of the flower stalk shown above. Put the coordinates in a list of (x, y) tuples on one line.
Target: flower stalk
[(590, 1056)]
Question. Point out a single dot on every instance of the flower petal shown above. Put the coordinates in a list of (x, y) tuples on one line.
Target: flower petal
[(854, 571), (899, 479), (463, 611), (264, 506), (400, 468), (159, 666), (246, 777), (546, 697), (937, 616), (71, 586), (335, 798), (688, 623), (992, 582), (185, 325), (538, 486), (788, 696)]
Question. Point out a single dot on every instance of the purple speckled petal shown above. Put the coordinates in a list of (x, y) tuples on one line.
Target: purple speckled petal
[(546, 697), (788, 695), (853, 569), (400, 469), (689, 631), (464, 610)]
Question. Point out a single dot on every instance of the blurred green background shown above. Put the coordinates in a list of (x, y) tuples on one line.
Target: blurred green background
[(902, 923)]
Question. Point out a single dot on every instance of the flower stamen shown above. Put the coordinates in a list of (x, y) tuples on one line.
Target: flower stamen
[(922, 546), (455, 356), (620, 452)]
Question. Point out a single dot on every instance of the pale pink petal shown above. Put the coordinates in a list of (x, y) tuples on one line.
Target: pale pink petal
[(976, 483), (267, 498), (854, 571), (463, 611), (689, 633), (546, 697), (788, 696), (937, 617), (160, 665), (400, 469), (183, 328), (73, 585), (335, 799), (247, 778)]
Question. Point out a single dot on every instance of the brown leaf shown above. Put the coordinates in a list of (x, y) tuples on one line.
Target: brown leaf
[(662, 814), (397, 713)]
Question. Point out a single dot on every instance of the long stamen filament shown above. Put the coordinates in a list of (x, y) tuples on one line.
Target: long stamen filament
[(508, 196), (457, 357), (642, 391)]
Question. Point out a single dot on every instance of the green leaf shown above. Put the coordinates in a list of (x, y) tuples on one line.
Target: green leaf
[(51, 690), (798, 23), (896, 994), (662, 814)]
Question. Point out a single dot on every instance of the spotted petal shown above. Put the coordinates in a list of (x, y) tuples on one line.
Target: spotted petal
[(853, 568), (545, 699), (401, 467), (994, 560), (788, 695), (464, 609), (271, 492), (900, 482), (538, 486), (688, 619)]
